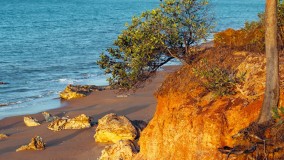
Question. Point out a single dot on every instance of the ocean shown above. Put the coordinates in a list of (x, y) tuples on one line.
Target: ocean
[(47, 44)]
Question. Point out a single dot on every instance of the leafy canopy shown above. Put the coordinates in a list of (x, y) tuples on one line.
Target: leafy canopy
[(153, 39)]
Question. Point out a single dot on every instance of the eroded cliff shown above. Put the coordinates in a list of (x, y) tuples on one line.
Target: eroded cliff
[(191, 122)]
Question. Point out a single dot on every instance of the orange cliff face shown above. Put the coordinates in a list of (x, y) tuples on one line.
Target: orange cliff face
[(190, 123)]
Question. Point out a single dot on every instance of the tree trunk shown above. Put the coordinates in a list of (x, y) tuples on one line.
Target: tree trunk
[(271, 95)]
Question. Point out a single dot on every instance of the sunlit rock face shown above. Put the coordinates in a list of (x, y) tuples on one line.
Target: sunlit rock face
[(124, 149), (3, 136), (31, 122), (35, 144), (113, 128), (191, 123), (79, 91), (80, 122)]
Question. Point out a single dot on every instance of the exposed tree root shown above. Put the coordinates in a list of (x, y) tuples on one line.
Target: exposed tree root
[(257, 142)]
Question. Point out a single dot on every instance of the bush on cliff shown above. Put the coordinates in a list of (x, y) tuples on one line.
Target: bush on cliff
[(219, 80), (153, 39), (251, 37)]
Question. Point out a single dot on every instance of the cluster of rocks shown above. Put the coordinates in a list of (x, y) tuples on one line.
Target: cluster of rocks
[(56, 124), (120, 131), (117, 130), (78, 91)]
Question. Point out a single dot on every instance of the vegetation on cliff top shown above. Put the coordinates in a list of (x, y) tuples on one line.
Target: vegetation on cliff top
[(251, 37), (153, 39)]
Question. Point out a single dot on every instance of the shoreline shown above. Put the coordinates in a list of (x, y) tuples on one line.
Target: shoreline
[(56, 102), (140, 105)]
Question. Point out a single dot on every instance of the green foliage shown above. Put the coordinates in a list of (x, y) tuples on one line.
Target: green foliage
[(251, 37), (278, 114), (281, 23), (154, 38), (220, 81)]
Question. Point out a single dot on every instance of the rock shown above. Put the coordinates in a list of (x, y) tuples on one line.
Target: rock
[(31, 122), (35, 144), (113, 128), (80, 122), (78, 91), (3, 136), (57, 125), (122, 150), (48, 117)]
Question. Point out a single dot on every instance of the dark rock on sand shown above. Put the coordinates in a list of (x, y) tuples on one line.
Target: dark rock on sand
[(48, 117)]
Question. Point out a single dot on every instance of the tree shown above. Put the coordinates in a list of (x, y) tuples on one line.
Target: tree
[(153, 39), (271, 95)]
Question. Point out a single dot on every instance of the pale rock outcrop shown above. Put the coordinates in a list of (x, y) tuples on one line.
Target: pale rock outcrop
[(79, 91), (113, 128), (35, 144), (31, 122), (48, 117), (80, 122), (122, 150), (3, 136)]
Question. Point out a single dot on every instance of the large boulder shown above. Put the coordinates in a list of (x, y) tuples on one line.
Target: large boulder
[(35, 144), (80, 122), (124, 150), (78, 91), (31, 122), (113, 128)]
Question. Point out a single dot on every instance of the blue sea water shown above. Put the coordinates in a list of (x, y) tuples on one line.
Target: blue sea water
[(47, 44)]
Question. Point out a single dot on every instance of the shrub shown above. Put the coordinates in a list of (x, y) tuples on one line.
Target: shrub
[(278, 114), (251, 37), (220, 81)]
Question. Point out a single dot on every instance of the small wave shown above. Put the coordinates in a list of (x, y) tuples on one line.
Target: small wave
[(5, 108), (10, 103), (28, 99), (67, 81)]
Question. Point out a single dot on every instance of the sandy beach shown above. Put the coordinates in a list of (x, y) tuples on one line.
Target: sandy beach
[(78, 144)]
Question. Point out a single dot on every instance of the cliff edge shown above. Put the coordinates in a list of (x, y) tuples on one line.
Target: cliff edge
[(191, 123)]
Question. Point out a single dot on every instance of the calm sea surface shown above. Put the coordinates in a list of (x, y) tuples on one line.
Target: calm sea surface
[(47, 44)]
